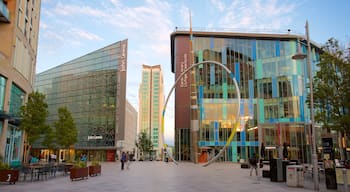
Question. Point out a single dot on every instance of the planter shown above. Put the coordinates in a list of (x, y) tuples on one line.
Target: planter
[(94, 170), (9, 175), (79, 173)]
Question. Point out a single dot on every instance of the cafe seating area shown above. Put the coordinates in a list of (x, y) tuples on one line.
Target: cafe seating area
[(43, 171)]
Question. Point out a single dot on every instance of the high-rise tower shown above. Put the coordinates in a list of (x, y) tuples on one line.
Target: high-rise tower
[(151, 97)]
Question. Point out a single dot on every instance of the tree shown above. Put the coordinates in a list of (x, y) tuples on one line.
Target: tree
[(66, 131), (33, 115), (332, 88), (50, 139), (144, 143)]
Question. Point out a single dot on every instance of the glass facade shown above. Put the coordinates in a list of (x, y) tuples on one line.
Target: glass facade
[(272, 87), (14, 135), (92, 87)]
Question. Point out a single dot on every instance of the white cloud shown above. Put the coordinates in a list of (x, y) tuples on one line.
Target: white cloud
[(81, 34), (53, 36), (71, 10), (218, 4), (184, 13), (255, 14)]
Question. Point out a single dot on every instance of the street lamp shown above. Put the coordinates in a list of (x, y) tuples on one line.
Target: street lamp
[(300, 56)]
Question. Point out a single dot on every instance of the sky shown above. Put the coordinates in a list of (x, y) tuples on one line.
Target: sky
[(72, 28)]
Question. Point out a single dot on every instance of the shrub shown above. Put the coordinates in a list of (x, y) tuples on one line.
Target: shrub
[(4, 166), (79, 164), (95, 163)]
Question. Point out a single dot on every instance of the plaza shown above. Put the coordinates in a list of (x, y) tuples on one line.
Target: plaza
[(154, 176)]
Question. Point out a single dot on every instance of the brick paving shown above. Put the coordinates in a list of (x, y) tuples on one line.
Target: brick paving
[(159, 176)]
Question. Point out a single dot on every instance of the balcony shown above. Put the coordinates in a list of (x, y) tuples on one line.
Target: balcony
[(4, 13)]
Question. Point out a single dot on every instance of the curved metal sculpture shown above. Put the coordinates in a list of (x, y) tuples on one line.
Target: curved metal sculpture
[(238, 98)]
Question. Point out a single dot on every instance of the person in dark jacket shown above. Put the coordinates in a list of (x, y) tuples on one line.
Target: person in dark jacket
[(123, 159), (285, 151), (253, 161)]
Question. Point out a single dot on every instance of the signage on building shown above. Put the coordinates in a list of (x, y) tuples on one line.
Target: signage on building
[(93, 137), (122, 66), (184, 66)]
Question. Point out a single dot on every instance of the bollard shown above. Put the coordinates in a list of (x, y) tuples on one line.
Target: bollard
[(345, 179)]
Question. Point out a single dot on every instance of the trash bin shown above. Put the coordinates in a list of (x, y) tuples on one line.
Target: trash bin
[(292, 176), (285, 163), (300, 175), (276, 170), (295, 176), (331, 180)]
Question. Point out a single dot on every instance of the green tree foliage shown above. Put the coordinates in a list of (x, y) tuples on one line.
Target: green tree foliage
[(144, 143), (33, 115), (66, 131), (49, 139), (332, 88)]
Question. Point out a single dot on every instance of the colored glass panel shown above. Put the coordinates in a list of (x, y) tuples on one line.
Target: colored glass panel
[(258, 69), (212, 74), (2, 92), (237, 72), (278, 48), (274, 87), (16, 99), (261, 117)]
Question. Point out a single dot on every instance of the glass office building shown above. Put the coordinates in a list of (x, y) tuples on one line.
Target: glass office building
[(93, 88), (272, 88)]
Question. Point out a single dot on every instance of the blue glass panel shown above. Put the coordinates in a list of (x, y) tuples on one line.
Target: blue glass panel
[(301, 104), (216, 131), (200, 101), (224, 107), (295, 86), (274, 87), (211, 42), (254, 50), (243, 135), (241, 110), (277, 48), (223, 56), (237, 71), (251, 107), (212, 74), (251, 88)]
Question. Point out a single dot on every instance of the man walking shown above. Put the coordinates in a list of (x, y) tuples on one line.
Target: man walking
[(253, 164), (123, 160)]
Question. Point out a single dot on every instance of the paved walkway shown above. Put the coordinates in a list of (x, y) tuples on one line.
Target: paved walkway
[(162, 177)]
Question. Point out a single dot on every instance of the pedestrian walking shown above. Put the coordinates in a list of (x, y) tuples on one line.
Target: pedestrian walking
[(127, 160), (123, 160), (253, 164)]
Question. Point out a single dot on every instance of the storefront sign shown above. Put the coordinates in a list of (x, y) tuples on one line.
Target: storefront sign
[(92, 137)]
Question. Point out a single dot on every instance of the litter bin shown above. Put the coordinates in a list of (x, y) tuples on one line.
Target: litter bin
[(295, 176), (285, 163), (276, 170), (300, 174), (331, 180), (292, 176)]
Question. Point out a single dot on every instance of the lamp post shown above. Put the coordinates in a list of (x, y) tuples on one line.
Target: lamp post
[(300, 56)]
